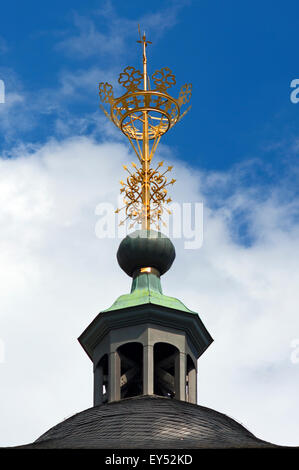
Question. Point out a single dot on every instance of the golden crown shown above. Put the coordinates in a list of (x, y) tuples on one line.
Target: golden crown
[(127, 111)]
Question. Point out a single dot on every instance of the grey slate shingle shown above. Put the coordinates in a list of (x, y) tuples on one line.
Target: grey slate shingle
[(148, 422)]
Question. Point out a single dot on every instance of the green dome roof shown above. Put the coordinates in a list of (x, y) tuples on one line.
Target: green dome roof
[(145, 248)]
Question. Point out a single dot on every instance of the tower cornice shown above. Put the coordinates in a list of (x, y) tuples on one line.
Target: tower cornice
[(188, 322)]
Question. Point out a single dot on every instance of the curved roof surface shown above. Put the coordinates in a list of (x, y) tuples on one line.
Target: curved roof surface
[(148, 422)]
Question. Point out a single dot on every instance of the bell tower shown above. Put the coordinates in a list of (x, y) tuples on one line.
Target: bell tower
[(146, 343)]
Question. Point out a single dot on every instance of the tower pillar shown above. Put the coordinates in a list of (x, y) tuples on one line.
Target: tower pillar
[(148, 370), (98, 385), (114, 376), (192, 386), (180, 376)]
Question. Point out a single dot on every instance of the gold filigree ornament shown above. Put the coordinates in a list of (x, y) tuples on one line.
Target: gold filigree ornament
[(130, 78), (144, 115), (185, 94), (106, 92), (163, 79)]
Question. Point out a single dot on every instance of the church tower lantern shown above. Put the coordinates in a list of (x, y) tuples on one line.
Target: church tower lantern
[(146, 343)]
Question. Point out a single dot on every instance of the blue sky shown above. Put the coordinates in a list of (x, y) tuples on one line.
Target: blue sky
[(236, 150), (240, 57)]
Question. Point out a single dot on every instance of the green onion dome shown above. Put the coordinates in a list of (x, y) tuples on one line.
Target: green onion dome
[(145, 248)]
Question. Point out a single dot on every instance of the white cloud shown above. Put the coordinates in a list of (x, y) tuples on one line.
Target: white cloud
[(109, 37), (51, 108), (55, 276), (89, 41), (8, 124)]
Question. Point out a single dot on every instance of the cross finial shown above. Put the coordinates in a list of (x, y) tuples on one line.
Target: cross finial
[(144, 43), (143, 40)]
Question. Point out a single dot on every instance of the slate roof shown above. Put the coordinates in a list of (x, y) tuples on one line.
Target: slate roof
[(148, 422)]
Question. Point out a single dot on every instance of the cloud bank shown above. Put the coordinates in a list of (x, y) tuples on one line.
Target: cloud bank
[(56, 275)]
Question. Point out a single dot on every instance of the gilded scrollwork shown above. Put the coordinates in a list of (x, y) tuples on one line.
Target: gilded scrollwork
[(185, 94), (134, 101), (106, 92), (130, 78), (163, 79), (132, 192)]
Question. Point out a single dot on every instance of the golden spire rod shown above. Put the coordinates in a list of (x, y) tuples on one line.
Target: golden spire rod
[(146, 215), (144, 43), (142, 113)]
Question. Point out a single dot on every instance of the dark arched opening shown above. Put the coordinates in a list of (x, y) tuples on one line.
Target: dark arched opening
[(131, 369), (101, 381), (165, 358)]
